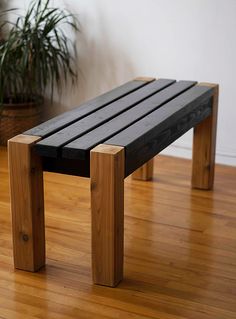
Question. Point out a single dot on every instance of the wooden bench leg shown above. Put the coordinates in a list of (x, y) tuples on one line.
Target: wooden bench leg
[(27, 203), (145, 172), (204, 144), (107, 206)]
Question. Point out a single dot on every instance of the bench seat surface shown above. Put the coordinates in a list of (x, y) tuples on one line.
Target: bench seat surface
[(142, 116)]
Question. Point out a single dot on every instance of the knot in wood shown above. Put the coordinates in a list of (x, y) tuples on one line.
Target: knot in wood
[(25, 237), (93, 185)]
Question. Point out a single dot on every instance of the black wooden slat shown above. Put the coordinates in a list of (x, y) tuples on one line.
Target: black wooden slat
[(79, 148), (66, 166), (167, 137), (150, 135), (51, 145), (53, 125)]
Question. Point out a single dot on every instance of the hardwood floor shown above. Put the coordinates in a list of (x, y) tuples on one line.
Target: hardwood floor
[(180, 250)]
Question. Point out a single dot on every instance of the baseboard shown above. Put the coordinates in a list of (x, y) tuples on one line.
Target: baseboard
[(186, 152)]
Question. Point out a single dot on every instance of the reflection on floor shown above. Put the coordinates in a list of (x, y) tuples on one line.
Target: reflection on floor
[(180, 250)]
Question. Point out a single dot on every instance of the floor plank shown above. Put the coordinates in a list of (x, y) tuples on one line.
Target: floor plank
[(180, 250)]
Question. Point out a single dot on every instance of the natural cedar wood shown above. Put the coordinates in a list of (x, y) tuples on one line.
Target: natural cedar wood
[(145, 172), (107, 210), (80, 147), (179, 250), (27, 203), (145, 78), (58, 122), (51, 146), (204, 145)]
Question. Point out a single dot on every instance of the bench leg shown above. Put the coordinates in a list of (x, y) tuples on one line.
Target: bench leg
[(27, 203), (107, 206), (145, 172), (204, 144)]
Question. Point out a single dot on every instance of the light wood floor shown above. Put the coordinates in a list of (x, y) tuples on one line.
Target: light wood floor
[(180, 250)]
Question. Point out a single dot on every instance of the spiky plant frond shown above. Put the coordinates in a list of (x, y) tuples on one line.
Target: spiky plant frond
[(37, 53)]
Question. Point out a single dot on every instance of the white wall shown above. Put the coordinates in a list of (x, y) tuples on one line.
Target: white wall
[(181, 39)]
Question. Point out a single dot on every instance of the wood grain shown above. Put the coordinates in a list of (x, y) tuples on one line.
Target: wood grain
[(27, 203), (180, 250), (107, 209), (58, 122), (204, 146)]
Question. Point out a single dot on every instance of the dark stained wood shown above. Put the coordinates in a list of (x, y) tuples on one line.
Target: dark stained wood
[(67, 166), (62, 120), (149, 136), (51, 145), (79, 148)]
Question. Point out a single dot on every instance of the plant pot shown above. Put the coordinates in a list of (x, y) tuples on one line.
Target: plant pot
[(17, 118)]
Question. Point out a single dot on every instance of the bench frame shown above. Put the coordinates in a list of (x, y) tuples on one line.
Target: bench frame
[(107, 197)]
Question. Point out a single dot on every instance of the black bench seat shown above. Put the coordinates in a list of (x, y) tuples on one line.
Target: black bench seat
[(143, 117)]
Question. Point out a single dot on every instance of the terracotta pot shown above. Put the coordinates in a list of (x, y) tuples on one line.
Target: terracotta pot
[(17, 118)]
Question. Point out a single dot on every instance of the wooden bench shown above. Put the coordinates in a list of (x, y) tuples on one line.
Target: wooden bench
[(107, 139)]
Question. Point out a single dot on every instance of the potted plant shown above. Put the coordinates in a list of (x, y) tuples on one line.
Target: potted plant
[(35, 55)]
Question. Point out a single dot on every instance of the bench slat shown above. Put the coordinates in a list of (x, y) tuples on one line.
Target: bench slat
[(79, 148), (51, 145), (147, 137), (55, 124)]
